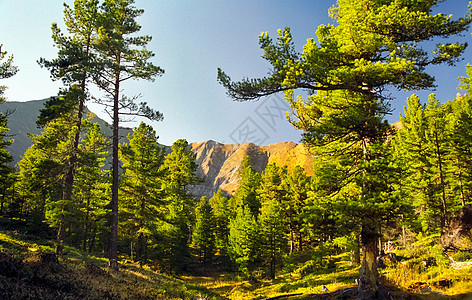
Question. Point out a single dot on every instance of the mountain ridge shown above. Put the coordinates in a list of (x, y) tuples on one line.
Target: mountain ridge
[(218, 164)]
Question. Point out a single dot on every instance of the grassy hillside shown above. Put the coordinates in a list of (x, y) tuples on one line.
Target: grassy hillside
[(30, 270)]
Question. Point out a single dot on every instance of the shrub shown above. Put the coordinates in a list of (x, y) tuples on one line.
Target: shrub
[(462, 256)]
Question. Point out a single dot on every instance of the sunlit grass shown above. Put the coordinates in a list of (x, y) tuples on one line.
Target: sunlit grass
[(303, 276), (405, 274), (234, 287)]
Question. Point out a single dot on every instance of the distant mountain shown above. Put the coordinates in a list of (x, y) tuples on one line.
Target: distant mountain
[(22, 121), (219, 164)]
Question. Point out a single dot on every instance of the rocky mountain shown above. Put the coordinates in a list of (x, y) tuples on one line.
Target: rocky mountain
[(219, 164)]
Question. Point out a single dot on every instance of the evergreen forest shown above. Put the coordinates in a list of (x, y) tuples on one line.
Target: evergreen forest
[(386, 213)]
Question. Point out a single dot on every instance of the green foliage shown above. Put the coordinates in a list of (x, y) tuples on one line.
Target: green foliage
[(91, 188), (7, 70), (141, 186), (244, 240), (273, 235), (462, 256), (121, 55), (179, 171), (246, 194), (296, 205), (203, 236), (433, 150), (221, 211), (7, 175), (42, 168), (373, 45)]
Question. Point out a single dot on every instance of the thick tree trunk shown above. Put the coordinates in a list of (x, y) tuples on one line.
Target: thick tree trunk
[(368, 274)]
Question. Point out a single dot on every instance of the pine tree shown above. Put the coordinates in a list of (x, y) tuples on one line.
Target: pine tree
[(220, 206), (7, 69), (246, 194), (42, 170), (422, 147), (141, 186), (6, 170), (273, 234), (179, 171), (203, 236), (244, 240), (73, 66), (374, 45), (297, 186), (122, 55), (92, 186)]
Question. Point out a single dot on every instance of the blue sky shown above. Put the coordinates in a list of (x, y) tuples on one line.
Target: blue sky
[(191, 39)]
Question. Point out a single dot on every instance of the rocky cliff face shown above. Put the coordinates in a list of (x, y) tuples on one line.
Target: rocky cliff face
[(219, 164)]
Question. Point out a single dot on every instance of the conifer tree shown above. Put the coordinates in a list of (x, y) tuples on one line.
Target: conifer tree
[(203, 236), (221, 211), (461, 141), (141, 186), (422, 148), (6, 170), (7, 69), (179, 171), (122, 55), (42, 169), (73, 66), (374, 45), (244, 240), (273, 234), (246, 194), (92, 186), (297, 185)]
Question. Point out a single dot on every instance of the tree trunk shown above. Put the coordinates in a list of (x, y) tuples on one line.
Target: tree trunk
[(368, 274), (460, 187), (113, 246), (292, 241), (86, 227), (92, 239), (442, 183), (300, 241), (69, 178)]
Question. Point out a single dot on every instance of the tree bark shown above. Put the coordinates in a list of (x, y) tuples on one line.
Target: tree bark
[(113, 246), (441, 177), (368, 274)]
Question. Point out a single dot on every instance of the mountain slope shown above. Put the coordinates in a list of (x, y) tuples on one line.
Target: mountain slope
[(22, 122), (220, 164)]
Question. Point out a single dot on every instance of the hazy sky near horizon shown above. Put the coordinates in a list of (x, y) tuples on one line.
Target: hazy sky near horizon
[(191, 39)]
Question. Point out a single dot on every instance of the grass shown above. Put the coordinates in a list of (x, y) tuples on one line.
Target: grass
[(455, 281), (27, 274), (233, 287)]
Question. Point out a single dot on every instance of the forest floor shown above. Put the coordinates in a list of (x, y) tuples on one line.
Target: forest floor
[(29, 270)]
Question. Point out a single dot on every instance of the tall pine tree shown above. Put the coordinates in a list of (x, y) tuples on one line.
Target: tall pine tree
[(122, 55)]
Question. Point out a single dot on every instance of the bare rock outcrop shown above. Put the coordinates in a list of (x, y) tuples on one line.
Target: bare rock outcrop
[(220, 164)]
